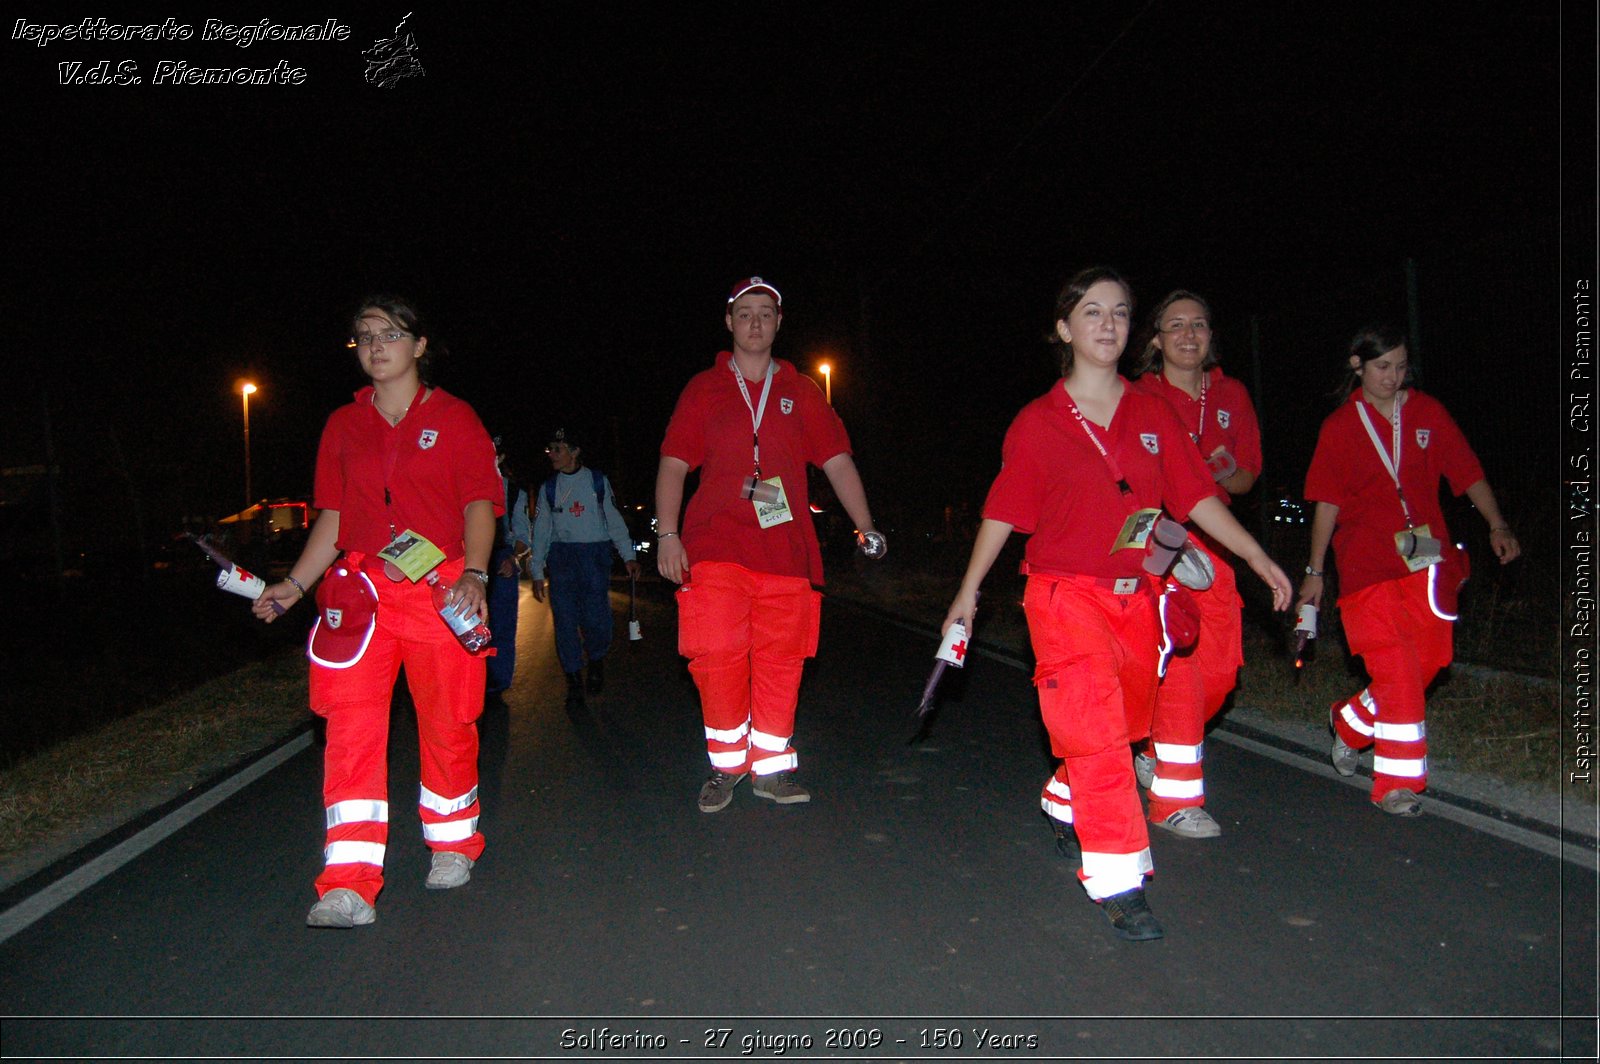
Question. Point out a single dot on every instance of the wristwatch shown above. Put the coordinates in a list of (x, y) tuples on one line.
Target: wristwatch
[(1313, 572), (482, 577)]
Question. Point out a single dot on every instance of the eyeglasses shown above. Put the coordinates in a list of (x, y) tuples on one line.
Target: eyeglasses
[(557, 448), (390, 336), (1199, 326)]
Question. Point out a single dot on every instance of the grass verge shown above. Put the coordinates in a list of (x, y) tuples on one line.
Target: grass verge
[(93, 783)]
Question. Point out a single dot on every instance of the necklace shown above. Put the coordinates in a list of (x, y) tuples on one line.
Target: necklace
[(394, 419)]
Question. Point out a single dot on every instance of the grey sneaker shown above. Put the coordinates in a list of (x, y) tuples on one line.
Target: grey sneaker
[(780, 787), (717, 791), (1345, 758), (1400, 803), (1191, 822), (450, 870), (341, 907), (1144, 769)]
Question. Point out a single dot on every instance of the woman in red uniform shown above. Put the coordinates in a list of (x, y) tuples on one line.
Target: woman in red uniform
[(406, 463), (1079, 465), (1179, 365), (1375, 479)]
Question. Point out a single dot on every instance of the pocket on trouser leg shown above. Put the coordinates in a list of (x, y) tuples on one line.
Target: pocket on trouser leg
[(693, 625), (811, 624)]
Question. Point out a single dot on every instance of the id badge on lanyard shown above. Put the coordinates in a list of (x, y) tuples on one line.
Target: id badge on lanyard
[(410, 556), (771, 502), (1135, 534)]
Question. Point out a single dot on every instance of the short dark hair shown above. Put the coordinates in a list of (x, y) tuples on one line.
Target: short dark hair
[(1072, 294), (404, 313), (1149, 347)]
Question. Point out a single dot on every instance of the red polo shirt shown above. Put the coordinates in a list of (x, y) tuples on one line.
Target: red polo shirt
[(1054, 483), (1229, 420), (435, 462), (1347, 472), (711, 431)]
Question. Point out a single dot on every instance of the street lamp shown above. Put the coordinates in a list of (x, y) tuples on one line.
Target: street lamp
[(246, 390), (827, 381)]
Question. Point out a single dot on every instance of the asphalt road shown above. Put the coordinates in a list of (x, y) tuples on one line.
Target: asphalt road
[(916, 909)]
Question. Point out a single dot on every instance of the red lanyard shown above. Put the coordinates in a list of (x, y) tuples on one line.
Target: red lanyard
[(393, 457), (1116, 471)]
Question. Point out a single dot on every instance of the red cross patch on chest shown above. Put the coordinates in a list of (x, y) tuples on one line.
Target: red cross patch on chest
[(576, 509)]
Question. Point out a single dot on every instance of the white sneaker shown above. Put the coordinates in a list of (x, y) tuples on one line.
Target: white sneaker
[(341, 907), (450, 870), (1345, 758), (1192, 822), (1144, 769)]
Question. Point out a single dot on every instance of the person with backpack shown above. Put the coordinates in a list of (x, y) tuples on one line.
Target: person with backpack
[(575, 527)]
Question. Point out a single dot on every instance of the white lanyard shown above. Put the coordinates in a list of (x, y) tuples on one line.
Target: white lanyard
[(1392, 464), (757, 412)]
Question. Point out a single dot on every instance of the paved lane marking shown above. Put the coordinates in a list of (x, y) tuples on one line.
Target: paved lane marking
[(63, 890)]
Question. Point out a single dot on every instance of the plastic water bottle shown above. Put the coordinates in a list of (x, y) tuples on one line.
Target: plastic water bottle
[(470, 630)]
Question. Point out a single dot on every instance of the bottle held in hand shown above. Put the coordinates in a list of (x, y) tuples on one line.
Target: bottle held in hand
[(470, 629), (233, 578), (1305, 630)]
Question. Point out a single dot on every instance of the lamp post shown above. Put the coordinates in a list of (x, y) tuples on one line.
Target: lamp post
[(246, 390), (827, 381)]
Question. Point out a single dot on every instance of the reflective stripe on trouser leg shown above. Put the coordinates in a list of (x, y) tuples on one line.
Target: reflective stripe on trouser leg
[(445, 680), (1056, 799), (770, 753), (1403, 646), (1177, 730), (1196, 685), (355, 776), (714, 634), (1096, 684), (1353, 719), (1179, 780), (785, 616)]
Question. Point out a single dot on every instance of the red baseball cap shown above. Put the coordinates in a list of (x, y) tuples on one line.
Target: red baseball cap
[(755, 284), (347, 611)]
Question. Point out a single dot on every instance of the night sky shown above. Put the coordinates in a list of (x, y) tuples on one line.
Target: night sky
[(571, 189)]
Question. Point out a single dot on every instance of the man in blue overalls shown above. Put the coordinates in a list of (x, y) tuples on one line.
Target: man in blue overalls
[(575, 527)]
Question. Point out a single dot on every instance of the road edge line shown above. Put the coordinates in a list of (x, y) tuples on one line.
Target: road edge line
[(40, 904)]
